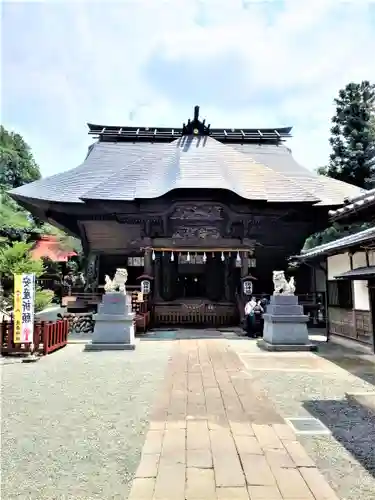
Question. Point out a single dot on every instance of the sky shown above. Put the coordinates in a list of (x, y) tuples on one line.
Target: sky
[(247, 64)]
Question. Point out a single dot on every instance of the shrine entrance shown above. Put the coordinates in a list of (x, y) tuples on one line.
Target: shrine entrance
[(196, 289), (191, 282)]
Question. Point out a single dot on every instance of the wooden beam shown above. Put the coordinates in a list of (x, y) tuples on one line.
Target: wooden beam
[(196, 250)]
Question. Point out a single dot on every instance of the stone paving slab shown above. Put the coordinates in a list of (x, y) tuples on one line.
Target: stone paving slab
[(214, 435), (345, 455)]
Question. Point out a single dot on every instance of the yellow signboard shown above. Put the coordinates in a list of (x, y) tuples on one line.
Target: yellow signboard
[(23, 311), (17, 309)]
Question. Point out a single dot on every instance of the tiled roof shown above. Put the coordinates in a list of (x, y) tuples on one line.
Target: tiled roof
[(340, 244), (358, 202), (364, 272), (129, 170), (49, 246), (279, 158)]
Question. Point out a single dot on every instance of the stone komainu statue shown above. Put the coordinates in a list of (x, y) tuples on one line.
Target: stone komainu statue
[(281, 285), (118, 283)]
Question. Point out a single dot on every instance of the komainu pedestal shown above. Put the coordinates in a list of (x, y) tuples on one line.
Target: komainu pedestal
[(285, 326), (114, 324)]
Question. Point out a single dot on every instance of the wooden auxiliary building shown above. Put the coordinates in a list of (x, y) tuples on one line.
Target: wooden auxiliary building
[(195, 207), (345, 270)]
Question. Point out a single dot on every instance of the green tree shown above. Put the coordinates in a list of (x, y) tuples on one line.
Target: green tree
[(353, 136), (18, 167), (16, 259), (15, 223), (17, 164), (333, 233)]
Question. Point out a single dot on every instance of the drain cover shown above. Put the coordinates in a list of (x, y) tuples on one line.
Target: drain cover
[(307, 426)]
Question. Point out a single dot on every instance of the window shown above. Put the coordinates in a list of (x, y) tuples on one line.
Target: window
[(340, 294)]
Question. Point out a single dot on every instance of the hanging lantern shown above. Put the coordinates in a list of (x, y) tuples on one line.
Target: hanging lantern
[(204, 257), (172, 257), (222, 256), (153, 255), (252, 262), (162, 253), (238, 258), (213, 255), (188, 257), (247, 287)]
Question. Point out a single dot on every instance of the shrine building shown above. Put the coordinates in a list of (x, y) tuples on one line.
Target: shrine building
[(198, 209)]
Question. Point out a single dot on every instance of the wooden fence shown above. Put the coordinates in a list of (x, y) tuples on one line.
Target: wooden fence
[(48, 337), (202, 315)]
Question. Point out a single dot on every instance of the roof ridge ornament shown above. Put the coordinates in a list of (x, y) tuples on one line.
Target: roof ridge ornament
[(195, 126)]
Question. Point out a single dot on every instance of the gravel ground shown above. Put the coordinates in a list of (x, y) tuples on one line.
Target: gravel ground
[(307, 385), (73, 424)]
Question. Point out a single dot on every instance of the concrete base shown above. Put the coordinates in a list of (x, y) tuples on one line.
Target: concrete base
[(281, 330), (285, 327), (267, 346), (109, 347), (114, 324)]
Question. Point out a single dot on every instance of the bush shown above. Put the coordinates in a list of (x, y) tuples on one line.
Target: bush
[(43, 298), (16, 259)]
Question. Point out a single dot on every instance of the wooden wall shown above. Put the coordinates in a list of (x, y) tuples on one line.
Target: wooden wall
[(351, 323)]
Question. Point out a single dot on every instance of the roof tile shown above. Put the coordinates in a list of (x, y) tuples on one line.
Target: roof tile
[(125, 171)]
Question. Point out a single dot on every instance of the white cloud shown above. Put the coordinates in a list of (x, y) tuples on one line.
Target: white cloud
[(269, 64)]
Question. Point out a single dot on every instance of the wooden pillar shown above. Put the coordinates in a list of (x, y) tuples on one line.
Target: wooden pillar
[(157, 276), (227, 270), (148, 262), (244, 270), (92, 273), (244, 264)]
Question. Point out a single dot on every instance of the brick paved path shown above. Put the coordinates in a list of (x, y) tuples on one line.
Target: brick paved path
[(213, 435)]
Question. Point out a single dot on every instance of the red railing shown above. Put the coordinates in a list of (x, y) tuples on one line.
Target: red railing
[(48, 337)]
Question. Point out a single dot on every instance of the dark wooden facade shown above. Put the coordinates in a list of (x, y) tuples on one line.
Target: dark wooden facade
[(219, 226)]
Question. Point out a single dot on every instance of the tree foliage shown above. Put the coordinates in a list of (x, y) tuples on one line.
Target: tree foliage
[(333, 233), (18, 167), (353, 136), (17, 164), (16, 259)]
